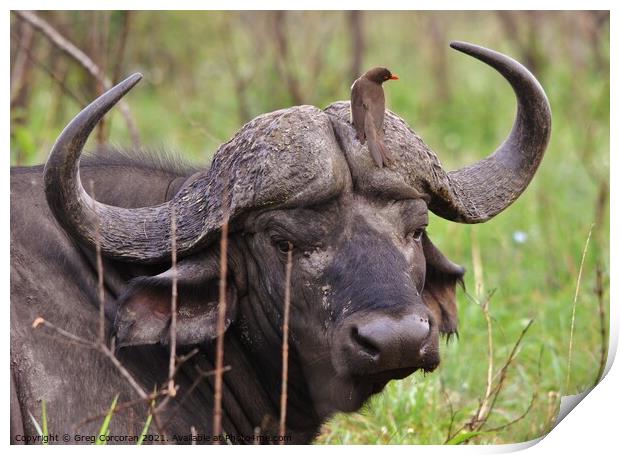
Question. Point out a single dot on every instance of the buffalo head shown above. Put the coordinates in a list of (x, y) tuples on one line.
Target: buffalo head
[(370, 293)]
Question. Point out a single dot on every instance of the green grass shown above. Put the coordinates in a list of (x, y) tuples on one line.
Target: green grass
[(147, 424), (41, 429), (188, 103), (104, 431)]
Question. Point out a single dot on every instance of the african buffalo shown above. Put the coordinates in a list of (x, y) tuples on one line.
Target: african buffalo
[(370, 293)]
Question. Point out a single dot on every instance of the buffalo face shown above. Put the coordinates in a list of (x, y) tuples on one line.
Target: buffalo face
[(367, 304), (370, 295)]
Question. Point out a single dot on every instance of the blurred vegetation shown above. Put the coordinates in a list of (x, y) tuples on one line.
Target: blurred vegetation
[(206, 73)]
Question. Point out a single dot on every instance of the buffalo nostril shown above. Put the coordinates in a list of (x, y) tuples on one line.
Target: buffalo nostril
[(419, 329), (364, 343)]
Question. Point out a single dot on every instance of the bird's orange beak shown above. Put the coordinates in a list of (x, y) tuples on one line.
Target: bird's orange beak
[(394, 77)]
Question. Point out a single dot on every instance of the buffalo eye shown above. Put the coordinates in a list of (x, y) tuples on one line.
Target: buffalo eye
[(284, 246), (416, 235)]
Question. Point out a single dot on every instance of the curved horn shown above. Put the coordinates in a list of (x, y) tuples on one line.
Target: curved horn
[(130, 234), (482, 190), (257, 168)]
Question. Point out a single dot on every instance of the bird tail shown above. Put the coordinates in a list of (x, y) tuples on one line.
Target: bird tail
[(386, 155)]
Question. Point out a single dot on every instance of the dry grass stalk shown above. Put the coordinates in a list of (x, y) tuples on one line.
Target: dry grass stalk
[(285, 327), (192, 429), (101, 346), (503, 377), (504, 370), (99, 260), (572, 323), (600, 298), (39, 321), (201, 375), (519, 418), (553, 407), (484, 409), (107, 352), (483, 302), (476, 260), (167, 396), (493, 387), (221, 323), (127, 405), (173, 306), (452, 411)]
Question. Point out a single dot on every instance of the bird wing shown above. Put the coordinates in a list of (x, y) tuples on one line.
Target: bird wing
[(378, 107), (375, 145), (358, 111)]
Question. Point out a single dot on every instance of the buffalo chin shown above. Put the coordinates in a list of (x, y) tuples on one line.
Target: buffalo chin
[(351, 393)]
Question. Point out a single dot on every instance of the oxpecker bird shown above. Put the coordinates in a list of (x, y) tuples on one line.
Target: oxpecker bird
[(368, 109)]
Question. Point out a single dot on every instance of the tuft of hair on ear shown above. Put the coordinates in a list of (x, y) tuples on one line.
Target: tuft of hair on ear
[(449, 336), (439, 294)]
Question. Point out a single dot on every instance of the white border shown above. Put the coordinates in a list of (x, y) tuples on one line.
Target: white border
[(592, 426)]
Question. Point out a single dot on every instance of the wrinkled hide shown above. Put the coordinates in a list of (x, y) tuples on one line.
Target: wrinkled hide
[(370, 293)]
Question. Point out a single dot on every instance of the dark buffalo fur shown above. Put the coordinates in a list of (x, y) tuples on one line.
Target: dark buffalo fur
[(55, 278)]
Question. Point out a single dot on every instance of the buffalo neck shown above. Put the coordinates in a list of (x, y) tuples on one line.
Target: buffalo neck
[(250, 395)]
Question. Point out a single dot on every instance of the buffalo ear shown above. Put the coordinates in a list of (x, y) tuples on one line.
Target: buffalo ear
[(439, 295), (143, 311)]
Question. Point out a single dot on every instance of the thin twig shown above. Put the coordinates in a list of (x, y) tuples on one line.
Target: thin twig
[(287, 310), (484, 305), (221, 322), (184, 358), (477, 264), (121, 407), (99, 260), (155, 413), (173, 305), (169, 395), (521, 417), (192, 429), (84, 60), (201, 375), (482, 410), (256, 435), (572, 323), (504, 369), (534, 395), (452, 412), (123, 371), (487, 404), (39, 321), (76, 97)]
